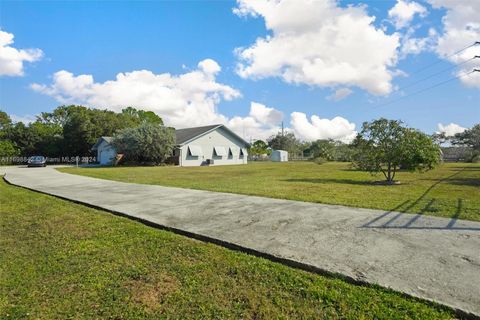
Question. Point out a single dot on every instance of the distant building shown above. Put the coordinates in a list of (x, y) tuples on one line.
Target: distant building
[(199, 146), (279, 156), (105, 151)]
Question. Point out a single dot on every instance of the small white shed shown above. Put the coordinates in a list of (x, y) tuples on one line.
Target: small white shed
[(105, 152), (279, 156)]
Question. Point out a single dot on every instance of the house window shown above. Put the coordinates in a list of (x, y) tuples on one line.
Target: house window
[(234, 151), (219, 151), (194, 151)]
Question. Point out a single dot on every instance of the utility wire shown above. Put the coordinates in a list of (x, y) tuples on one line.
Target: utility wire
[(444, 58), (437, 73), (428, 88)]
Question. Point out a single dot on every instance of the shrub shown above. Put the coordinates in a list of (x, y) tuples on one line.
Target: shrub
[(320, 160), (148, 143)]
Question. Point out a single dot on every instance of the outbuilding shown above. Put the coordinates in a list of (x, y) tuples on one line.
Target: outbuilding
[(279, 156), (105, 151), (198, 146)]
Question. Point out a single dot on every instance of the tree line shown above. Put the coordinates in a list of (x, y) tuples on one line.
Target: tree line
[(68, 130)]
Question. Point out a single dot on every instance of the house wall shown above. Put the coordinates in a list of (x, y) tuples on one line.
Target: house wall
[(105, 153), (216, 138)]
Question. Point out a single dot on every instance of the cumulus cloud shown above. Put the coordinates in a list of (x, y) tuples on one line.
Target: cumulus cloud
[(261, 123), (450, 129), (414, 45), (315, 128), (461, 28), (340, 94), (184, 100), (12, 59), (318, 43), (404, 11)]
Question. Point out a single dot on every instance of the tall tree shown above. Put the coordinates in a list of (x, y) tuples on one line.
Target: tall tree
[(469, 138), (5, 121), (258, 148), (385, 145), (322, 148), (143, 116), (146, 143), (286, 141)]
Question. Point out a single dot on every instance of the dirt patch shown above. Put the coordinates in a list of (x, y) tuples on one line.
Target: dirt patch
[(151, 294)]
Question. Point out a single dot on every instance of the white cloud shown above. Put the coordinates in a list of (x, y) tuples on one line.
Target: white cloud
[(404, 11), (209, 66), (340, 94), (261, 123), (461, 28), (319, 43), (337, 128), (413, 45), (12, 59), (26, 119), (184, 100), (264, 114), (450, 129)]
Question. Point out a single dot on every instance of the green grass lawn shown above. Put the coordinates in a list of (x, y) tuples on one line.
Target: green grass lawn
[(61, 260), (451, 190)]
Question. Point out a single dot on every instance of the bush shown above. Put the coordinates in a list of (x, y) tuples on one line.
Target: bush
[(476, 158), (320, 160), (148, 143)]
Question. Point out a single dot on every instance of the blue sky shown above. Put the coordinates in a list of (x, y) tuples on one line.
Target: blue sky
[(103, 39)]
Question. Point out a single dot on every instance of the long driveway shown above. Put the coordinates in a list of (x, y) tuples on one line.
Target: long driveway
[(432, 258)]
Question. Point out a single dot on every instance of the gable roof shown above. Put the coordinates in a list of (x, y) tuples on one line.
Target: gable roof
[(185, 135), (100, 140), (188, 134)]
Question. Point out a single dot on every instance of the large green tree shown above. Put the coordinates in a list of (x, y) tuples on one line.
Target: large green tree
[(286, 141), (469, 138), (142, 116), (386, 145), (82, 126), (146, 143), (322, 148), (258, 148), (70, 130), (5, 121)]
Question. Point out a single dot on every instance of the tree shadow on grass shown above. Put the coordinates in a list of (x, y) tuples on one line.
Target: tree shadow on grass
[(397, 218), (465, 182), (470, 168), (340, 181)]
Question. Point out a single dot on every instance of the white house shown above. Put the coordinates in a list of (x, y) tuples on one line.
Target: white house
[(210, 145), (279, 156), (199, 146)]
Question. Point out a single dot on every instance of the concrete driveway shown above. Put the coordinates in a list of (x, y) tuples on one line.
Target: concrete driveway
[(432, 258)]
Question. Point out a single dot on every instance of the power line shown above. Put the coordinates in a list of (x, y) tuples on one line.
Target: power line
[(428, 88), (437, 73), (449, 56)]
